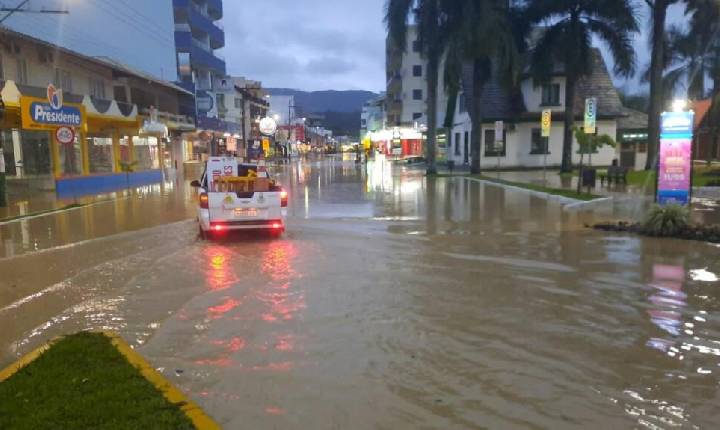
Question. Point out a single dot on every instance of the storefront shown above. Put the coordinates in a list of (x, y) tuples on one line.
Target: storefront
[(74, 144)]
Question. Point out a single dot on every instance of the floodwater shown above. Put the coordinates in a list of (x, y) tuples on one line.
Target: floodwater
[(392, 302)]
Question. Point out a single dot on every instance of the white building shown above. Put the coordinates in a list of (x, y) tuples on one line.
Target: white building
[(519, 109)]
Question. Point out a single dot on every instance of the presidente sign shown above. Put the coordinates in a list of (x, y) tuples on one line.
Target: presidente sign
[(50, 113), (675, 158)]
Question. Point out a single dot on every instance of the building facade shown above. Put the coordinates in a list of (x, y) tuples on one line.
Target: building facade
[(198, 36), (83, 125), (521, 145)]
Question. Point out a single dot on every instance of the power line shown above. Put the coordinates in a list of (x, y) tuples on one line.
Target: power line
[(149, 30)]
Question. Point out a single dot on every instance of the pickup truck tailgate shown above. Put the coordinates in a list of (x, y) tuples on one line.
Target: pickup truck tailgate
[(229, 207)]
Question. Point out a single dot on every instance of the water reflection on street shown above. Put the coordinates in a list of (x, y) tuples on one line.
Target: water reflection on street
[(393, 301)]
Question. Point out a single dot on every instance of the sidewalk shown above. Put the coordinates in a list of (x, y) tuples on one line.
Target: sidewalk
[(27, 202)]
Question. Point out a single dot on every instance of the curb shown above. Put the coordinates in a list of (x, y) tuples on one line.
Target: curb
[(566, 202), (197, 416)]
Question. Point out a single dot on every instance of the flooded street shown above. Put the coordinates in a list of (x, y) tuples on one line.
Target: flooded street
[(393, 301)]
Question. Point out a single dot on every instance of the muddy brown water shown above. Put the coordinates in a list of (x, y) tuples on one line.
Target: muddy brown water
[(392, 302)]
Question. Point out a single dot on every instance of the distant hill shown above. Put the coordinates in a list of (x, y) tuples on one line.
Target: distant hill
[(325, 101)]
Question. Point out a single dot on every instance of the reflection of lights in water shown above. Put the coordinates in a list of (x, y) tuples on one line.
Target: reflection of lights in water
[(307, 201), (702, 275), (221, 309), (218, 273)]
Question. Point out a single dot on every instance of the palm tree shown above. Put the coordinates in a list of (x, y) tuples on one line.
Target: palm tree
[(567, 39), (429, 19), (480, 34), (658, 62)]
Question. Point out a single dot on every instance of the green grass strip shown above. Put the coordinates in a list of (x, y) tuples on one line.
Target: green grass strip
[(528, 186), (45, 212), (83, 382)]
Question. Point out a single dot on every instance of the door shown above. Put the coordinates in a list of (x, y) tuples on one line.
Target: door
[(627, 155)]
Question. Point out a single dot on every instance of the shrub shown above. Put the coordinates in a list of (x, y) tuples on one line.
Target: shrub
[(670, 220)]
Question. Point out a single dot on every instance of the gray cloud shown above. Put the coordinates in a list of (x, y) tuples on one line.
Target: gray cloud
[(309, 45)]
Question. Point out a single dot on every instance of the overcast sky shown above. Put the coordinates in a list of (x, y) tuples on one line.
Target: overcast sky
[(308, 44)]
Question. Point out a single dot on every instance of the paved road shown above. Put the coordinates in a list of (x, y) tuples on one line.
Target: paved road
[(392, 302)]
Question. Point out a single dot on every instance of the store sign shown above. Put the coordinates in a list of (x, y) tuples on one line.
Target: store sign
[(546, 122), (51, 113), (675, 158), (65, 135), (268, 126), (590, 115)]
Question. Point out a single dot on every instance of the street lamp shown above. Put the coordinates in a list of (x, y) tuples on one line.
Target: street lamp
[(679, 105)]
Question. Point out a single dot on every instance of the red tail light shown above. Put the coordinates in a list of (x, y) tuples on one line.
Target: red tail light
[(276, 226), (283, 198), (204, 201)]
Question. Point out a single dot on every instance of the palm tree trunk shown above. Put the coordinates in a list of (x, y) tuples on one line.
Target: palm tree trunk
[(659, 12), (432, 83), (476, 118), (566, 165)]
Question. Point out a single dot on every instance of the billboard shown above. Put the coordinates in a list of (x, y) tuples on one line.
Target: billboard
[(675, 168)]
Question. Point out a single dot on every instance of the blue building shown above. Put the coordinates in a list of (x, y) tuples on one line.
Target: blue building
[(198, 34)]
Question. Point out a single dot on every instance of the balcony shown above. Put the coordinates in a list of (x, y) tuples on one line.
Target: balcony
[(200, 58), (199, 22), (215, 9)]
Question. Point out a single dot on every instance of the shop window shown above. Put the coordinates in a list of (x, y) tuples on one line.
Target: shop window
[(101, 154), (551, 95), (537, 142), (146, 153), (492, 148), (124, 151), (35, 152), (70, 158)]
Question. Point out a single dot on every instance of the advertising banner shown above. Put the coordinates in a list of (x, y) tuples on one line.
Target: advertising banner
[(675, 158)]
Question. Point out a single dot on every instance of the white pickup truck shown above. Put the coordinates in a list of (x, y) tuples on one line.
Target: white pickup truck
[(237, 196)]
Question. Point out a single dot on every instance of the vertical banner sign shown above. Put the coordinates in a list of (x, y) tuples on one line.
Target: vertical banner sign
[(676, 134), (590, 115), (546, 122)]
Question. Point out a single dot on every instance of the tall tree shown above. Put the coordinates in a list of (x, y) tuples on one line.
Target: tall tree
[(480, 33), (567, 39), (429, 20), (658, 62)]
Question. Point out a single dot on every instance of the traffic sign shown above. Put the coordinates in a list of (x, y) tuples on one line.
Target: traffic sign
[(65, 135), (546, 122), (590, 115)]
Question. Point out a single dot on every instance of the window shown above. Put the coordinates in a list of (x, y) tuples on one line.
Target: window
[(537, 142), (642, 147), (238, 103), (363, 122), (416, 46), (457, 143), (22, 71), (63, 80), (221, 100), (492, 148), (97, 88), (417, 115), (101, 154), (417, 71), (551, 95), (417, 95)]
